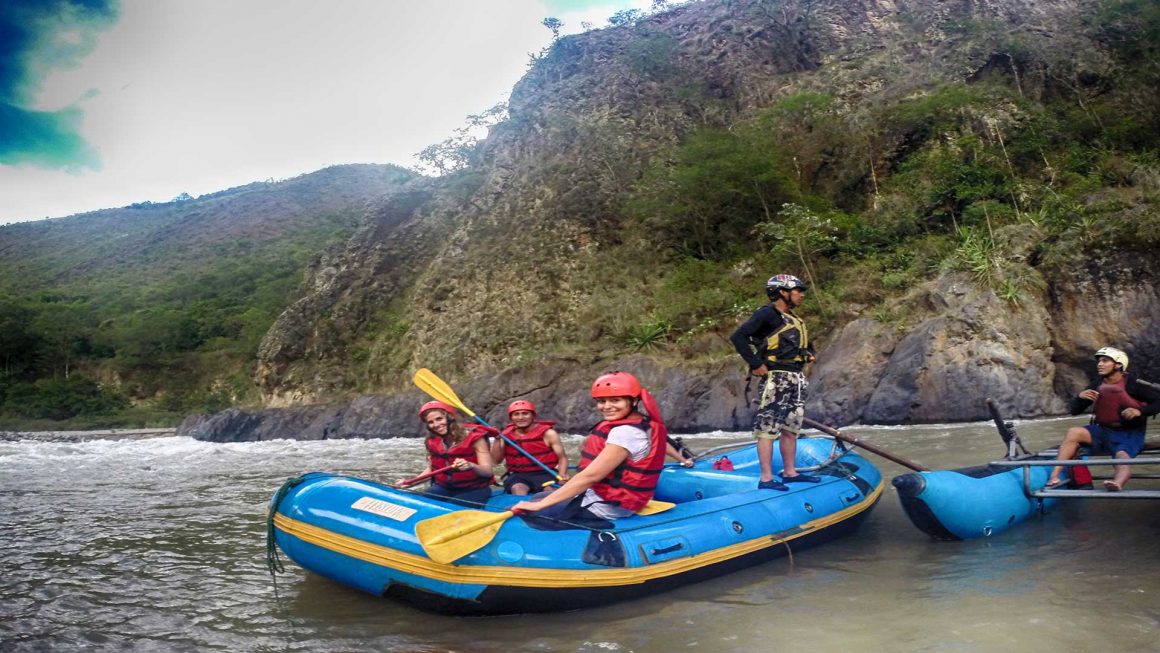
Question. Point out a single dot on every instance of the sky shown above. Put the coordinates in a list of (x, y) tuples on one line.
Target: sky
[(104, 103)]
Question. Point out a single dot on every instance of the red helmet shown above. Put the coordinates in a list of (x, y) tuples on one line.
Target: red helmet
[(616, 384), (433, 405), (522, 404)]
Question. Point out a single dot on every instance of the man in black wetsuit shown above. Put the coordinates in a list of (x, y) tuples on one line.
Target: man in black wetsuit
[(775, 344)]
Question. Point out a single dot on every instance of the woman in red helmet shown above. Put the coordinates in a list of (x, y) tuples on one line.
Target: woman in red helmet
[(539, 440), (620, 462), (462, 447)]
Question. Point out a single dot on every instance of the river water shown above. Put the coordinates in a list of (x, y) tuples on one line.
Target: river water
[(157, 544)]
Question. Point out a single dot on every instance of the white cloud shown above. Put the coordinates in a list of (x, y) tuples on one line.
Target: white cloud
[(199, 95)]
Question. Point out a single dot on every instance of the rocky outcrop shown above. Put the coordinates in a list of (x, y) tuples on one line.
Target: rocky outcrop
[(367, 417), (1112, 300), (967, 345), (962, 346)]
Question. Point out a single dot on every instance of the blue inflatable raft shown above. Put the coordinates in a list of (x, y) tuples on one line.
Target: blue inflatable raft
[(979, 501), (363, 534)]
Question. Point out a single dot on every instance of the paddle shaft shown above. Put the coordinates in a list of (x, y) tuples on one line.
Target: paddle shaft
[(424, 476), (520, 449), (857, 442)]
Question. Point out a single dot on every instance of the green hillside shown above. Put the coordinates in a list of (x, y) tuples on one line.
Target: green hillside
[(147, 312), (645, 181)]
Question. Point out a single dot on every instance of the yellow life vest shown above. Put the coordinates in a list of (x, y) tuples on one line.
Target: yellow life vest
[(773, 343)]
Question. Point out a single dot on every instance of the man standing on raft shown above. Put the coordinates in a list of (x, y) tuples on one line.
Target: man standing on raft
[(776, 346), (1119, 418)]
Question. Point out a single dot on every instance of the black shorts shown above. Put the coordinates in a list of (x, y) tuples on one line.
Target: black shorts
[(537, 481)]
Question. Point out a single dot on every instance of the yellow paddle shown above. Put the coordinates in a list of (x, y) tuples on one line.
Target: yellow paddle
[(449, 537)]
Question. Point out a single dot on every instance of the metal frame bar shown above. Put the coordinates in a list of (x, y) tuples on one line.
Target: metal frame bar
[(1083, 494)]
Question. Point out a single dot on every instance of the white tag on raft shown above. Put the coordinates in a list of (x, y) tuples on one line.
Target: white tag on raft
[(383, 509)]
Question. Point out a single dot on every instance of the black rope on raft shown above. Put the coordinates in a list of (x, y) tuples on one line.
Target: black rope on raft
[(273, 561)]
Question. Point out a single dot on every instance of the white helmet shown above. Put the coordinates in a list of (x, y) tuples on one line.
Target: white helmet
[(1114, 354)]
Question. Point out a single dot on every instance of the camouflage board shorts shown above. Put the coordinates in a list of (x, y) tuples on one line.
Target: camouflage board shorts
[(782, 405)]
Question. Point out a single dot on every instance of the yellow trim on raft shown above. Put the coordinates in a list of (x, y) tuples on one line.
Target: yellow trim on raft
[(545, 577)]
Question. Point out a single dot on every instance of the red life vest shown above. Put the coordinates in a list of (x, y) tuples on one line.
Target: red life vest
[(442, 456), (632, 484), (532, 442), (1113, 398)]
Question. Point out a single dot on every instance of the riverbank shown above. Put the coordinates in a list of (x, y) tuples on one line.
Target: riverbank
[(85, 436)]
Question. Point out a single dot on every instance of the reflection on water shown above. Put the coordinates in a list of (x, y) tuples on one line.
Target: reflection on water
[(158, 544)]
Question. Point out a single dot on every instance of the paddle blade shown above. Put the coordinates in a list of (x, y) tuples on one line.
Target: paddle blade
[(438, 389), (449, 537), (654, 506)]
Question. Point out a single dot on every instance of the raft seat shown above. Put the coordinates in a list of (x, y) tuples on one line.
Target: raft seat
[(694, 485)]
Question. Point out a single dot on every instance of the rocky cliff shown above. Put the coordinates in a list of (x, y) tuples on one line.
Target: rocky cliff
[(490, 276)]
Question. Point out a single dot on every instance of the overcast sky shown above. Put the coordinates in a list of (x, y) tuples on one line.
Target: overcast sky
[(106, 103)]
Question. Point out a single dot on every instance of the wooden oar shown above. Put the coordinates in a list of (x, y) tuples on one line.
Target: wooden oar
[(424, 476), (858, 442)]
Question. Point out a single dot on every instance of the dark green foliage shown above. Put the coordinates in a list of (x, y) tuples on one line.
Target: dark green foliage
[(59, 399), (18, 341), (171, 300), (1132, 29), (625, 17), (705, 202)]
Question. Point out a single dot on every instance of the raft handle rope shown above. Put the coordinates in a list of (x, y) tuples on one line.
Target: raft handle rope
[(273, 562)]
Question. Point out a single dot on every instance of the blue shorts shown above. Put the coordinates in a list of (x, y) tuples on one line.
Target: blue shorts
[(1106, 441)]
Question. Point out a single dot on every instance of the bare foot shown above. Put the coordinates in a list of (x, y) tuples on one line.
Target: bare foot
[(1112, 486)]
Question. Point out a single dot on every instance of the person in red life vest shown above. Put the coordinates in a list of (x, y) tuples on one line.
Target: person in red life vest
[(776, 346), (535, 437), (1121, 405), (464, 448), (620, 461)]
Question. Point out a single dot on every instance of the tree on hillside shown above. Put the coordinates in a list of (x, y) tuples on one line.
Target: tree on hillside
[(705, 202), (554, 24), (801, 233), (18, 344), (62, 328), (461, 150)]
